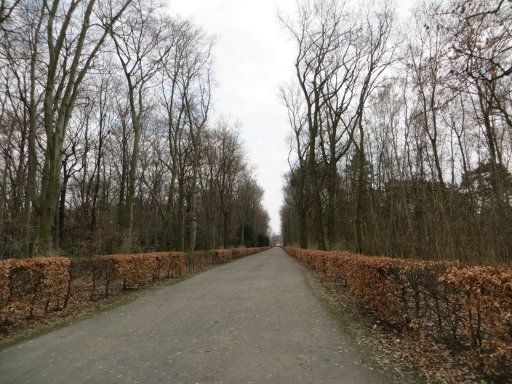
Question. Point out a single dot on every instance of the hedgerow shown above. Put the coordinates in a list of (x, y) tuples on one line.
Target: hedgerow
[(467, 309), (31, 288)]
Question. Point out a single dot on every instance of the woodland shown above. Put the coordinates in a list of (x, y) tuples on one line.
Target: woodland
[(106, 140), (401, 130), (398, 194)]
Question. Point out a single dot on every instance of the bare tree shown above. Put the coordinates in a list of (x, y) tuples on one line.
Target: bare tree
[(105, 140), (70, 53), (140, 48), (422, 131), (6, 9), (316, 35)]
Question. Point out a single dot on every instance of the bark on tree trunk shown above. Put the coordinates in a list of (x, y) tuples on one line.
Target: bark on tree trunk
[(193, 210), (331, 210), (360, 194), (303, 221), (317, 202), (181, 216), (49, 196), (62, 208), (132, 176), (225, 227)]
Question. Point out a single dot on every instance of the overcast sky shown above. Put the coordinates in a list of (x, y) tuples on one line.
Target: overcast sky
[(252, 58)]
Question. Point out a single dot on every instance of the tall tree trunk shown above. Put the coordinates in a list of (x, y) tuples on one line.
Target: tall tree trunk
[(315, 187), (331, 208), (50, 194), (193, 209), (170, 204), (181, 214), (303, 221), (96, 190), (225, 228), (242, 235), (31, 192), (360, 192), (62, 209), (122, 183), (132, 176)]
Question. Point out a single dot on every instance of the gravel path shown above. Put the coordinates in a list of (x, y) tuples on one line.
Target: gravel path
[(250, 321)]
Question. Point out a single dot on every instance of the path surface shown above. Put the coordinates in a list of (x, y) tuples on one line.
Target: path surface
[(250, 321)]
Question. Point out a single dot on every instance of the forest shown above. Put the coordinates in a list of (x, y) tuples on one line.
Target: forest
[(133, 221), (401, 130), (107, 143)]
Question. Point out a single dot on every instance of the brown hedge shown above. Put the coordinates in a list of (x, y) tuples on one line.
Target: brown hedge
[(465, 308), (33, 287)]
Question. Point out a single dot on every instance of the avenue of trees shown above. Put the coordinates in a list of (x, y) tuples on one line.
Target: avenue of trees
[(106, 144), (401, 132)]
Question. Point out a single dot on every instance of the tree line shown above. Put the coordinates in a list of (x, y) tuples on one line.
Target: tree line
[(401, 131), (106, 141)]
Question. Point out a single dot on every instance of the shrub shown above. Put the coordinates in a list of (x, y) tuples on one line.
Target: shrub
[(170, 264), (484, 297), (135, 269), (199, 260), (223, 255), (468, 308), (29, 286)]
